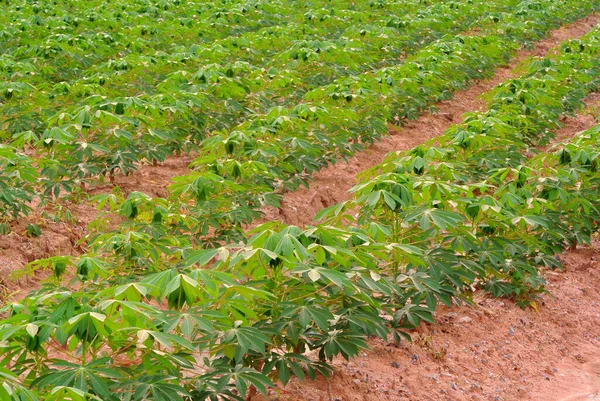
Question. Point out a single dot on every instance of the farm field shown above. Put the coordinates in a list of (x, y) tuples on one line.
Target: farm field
[(250, 200)]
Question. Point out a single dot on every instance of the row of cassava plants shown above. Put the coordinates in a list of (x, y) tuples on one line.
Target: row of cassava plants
[(118, 148), (146, 65), (241, 315), (101, 137), (263, 47), (245, 170), (194, 324), (417, 195), (229, 82)]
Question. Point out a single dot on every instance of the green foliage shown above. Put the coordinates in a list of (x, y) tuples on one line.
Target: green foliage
[(33, 230), (17, 182), (179, 302)]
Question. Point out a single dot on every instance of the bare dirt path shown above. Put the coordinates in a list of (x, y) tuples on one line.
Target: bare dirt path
[(331, 184)]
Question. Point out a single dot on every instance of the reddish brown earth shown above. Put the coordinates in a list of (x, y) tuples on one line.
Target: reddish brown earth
[(493, 351), (63, 238)]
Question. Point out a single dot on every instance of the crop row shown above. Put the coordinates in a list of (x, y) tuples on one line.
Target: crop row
[(149, 68), (258, 308), (443, 192), (108, 134), (244, 169), (156, 316), (125, 62), (104, 134), (229, 90)]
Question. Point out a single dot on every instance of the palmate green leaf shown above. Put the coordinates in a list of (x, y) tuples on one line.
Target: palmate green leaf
[(248, 292), (405, 248), (331, 211), (245, 339), (345, 342), (317, 273), (157, 282), (169, 341), (136, 314), (285, 246), (182, 289), (170, 363), (88, 266), (442, 219), (12, 390), (288, 245), (243, 377), (64, 393), (95, 377), (88, 327), (367, 321), (157, 388), (132, 292), (287, 364), (531, 220), (338, 278), (411, 315), (320, 257), (284, 372), (65, 310), (200, 257), (246, 376), (190, 321), (379, 231), (321, 316), (373, 282), (391, 200)]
